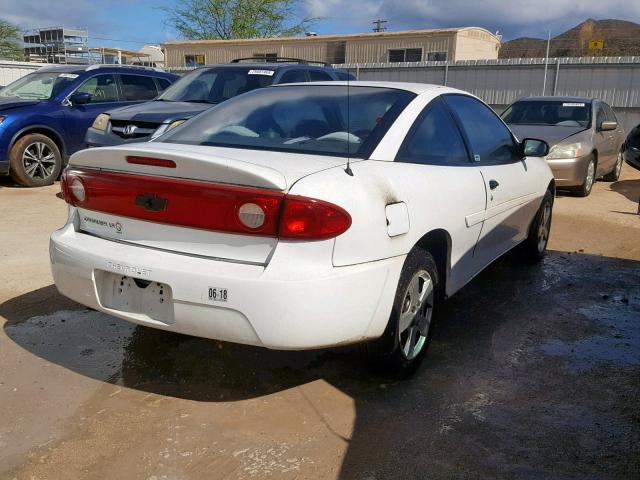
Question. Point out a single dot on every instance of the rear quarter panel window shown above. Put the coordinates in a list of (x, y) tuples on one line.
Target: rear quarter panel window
[(490, 140), (434, 139)]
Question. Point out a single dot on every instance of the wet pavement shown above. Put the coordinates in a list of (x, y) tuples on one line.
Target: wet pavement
[(533, 372)]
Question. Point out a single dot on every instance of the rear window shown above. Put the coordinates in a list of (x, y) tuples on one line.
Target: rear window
[(215, 85), (325, 120), (550, 113), (343, 75)]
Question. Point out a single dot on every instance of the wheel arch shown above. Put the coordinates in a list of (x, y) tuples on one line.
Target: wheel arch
[(438, 243), (42, 130)]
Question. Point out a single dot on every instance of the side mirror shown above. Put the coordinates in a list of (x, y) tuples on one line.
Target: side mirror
[(80, 98), (532, 147), (608, 125)]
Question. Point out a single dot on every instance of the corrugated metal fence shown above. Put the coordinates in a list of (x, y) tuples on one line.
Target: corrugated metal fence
[(616, 80)]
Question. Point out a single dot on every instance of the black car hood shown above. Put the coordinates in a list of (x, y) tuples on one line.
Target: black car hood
[(158, 111), (11, 103), (550, 134)]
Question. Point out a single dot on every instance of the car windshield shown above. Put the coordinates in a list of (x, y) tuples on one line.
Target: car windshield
[(215, 85), (39, 86), (324, 120), (553, 113)]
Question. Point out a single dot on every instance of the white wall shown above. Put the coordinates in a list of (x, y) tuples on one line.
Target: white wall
[(10, 71)]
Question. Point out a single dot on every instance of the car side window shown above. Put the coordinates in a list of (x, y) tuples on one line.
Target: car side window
[(102, 88), (163, 83), (138, 87), (611, 116), (293, 76), (489, 139), (601, 116), (434, 138), (319, 76)]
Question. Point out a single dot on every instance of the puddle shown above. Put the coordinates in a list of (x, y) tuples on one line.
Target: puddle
[(85, 341), (618, 318)]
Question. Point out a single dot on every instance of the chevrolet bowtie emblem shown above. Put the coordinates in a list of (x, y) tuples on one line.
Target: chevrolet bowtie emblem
[(151, 202)]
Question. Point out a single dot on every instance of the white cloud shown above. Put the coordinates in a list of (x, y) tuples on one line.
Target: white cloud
[(513, 17)]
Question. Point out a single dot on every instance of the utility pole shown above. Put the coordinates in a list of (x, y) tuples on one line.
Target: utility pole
[(546, 65), (379, 26)]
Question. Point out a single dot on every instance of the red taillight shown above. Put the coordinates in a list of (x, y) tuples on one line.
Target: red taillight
[(209, 206), (154, 162), (309, 219)]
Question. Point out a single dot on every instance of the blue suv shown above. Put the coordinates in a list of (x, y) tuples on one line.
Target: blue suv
[(45, 115)]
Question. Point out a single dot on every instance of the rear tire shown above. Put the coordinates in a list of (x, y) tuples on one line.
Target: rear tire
[(614, 174), (584, 190), (534, 248), (35, 161), (406, 339)]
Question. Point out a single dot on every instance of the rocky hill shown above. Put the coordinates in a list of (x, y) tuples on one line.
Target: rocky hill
[(621, 38)]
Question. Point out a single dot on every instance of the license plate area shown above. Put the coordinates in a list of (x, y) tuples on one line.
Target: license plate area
[(142, 298)]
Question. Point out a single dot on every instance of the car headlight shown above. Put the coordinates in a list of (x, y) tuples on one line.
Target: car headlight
[(569, 150), (101, 122), (165, 127)]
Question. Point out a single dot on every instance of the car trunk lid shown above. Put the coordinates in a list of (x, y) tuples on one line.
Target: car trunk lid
[(180, 198)]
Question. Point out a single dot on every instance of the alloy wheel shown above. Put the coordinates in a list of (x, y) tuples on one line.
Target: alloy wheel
[(416, 313), (619, 165), (591, 173), (544, 227), (39, 160)]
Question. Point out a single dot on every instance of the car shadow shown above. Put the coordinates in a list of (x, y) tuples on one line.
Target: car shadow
[(522, 362), (628, 188)]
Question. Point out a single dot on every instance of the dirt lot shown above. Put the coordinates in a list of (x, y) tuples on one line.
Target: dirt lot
[(533, 373)]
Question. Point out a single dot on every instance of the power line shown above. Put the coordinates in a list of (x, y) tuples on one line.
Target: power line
[(121, 40)]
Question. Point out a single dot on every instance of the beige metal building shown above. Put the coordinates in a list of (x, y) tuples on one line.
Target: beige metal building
[(468, 43)]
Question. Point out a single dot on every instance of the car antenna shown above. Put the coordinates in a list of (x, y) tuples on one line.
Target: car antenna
[(348, 169)]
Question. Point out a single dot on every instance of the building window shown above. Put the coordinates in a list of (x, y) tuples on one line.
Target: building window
[(267, 57), (405, 55), (193, 60), (437, 56), (337, 52)]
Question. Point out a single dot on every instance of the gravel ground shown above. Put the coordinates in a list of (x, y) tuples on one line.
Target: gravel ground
[(534, 372)]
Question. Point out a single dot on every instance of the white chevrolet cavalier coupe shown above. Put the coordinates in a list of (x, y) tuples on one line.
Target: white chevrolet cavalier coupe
[(304, 216)]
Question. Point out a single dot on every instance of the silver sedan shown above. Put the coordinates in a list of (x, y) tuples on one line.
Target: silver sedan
[(584, 136)]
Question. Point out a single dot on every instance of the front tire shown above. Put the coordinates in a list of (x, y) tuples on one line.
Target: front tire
[(404, 344), (35, 161), (534, 248), (614, 174), (584, 190)]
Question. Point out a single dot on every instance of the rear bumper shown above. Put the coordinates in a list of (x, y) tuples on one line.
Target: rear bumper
[(569, 172), (287, 305)]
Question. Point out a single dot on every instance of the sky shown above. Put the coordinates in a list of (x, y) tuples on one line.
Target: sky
[(129, 24)]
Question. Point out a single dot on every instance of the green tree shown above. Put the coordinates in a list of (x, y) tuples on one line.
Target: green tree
[(228, 19), (10, 48)]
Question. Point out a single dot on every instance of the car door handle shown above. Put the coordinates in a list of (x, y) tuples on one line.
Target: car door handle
[(493, 184)]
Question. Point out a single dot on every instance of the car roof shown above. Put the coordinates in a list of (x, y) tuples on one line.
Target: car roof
[(417, 88), (79, 69), (267, 65), (64, 68), (557, 99)]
